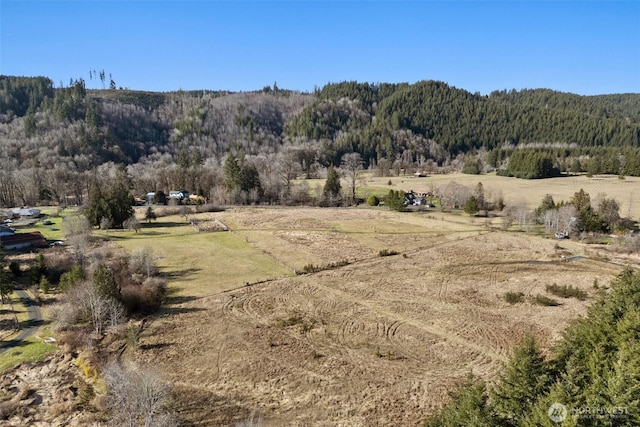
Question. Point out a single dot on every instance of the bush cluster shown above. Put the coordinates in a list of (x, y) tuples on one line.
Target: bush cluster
[(567, 291)]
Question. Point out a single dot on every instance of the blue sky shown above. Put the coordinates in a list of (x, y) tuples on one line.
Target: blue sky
[(581, 47)]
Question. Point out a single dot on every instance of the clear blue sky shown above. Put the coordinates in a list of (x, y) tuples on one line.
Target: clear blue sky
[(581, 47)]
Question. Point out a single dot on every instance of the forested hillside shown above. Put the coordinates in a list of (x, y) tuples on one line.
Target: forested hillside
[(50, 136)]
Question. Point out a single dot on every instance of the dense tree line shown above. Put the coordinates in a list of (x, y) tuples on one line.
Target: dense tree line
[(18, 95), (53, 137), (590, 378)]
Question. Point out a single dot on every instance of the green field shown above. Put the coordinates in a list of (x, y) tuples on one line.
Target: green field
[(51, 232), (31, 350), (196, 263)]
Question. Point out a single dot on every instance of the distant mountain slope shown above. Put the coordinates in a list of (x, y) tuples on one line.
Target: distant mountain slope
[(428, 119)]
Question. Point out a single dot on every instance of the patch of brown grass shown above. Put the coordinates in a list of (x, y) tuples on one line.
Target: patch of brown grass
[(434, 315)]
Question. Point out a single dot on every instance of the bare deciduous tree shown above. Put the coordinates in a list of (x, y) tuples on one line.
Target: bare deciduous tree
[(568, 219), (132, 223), (519, 213), (77, 230), (289, 169), (137, 396), (352, 164), (98, 309), (141, 262)]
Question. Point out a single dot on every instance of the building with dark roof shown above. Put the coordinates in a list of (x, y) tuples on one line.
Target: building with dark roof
[(23, 240)]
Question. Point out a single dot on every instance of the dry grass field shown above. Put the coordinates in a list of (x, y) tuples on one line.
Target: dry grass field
[(378, 341)]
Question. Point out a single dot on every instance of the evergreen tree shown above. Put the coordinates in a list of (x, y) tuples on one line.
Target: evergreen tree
[(160, 198), (114, 203), (471, 206), (250, 179), (332, 185), (395, 200), (523, 381), (6, 281), (105, 282), (39, 269), (149, 214), (546, 204), (232, 173), (467, 407)]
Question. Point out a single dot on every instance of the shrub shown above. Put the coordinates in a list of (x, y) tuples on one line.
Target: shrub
[(71, 277), (292, 320), (64, 316), (387, 252), (209, 207), (144, 298), (141, 262), (514, 297), (85, 394), (310, 268), (137, 396), (545, 301), (373, 201), (395, 200), (565, 291), (44, 285)]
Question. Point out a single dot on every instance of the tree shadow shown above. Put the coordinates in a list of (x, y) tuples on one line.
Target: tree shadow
[(155, 346), (180, 274), (199, 407), (28, 302), (162, 224), (180, 310), (7, 324), (5, 345), (32, 323), (178, 299), (173, 303)]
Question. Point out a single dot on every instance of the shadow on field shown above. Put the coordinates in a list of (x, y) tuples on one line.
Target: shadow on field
[(199, 407), (173, 299), (161, 224), (180, 274), (5, 345), (155, 346), (7, 324), (172, 304)]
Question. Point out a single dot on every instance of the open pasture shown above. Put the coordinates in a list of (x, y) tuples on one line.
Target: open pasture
[(378, 341), (530, 192)]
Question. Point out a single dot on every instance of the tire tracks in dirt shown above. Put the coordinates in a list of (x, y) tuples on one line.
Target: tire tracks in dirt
[(448, 336)]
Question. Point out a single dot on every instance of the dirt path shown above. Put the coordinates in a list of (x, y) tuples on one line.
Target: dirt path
[(32, 324)]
